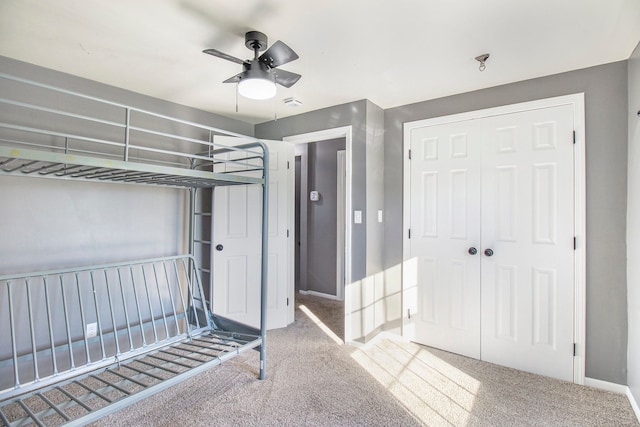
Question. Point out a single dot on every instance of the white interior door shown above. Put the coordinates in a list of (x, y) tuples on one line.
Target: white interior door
[(445, 226), (501, 184), (237, 248), (527, 221)]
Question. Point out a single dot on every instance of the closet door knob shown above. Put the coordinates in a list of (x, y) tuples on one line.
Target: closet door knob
[(219, 247), (488, 252), (472, 251)]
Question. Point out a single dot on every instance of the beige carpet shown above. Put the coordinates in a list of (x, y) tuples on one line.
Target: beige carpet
[(312, 380)]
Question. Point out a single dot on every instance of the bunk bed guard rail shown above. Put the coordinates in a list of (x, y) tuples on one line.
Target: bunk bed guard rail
[(53, 132)]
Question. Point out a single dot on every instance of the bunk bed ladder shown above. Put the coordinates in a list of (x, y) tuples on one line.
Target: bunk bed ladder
[(201, 237)]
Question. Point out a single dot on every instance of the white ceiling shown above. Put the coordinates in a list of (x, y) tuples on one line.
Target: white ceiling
[(390, 52)]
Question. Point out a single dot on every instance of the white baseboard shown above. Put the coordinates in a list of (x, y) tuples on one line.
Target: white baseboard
[(319, 294), (616, 388), (380, 336), (634, 404), (605, 385)]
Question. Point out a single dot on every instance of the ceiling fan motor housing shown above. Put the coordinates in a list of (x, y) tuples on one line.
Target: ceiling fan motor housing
[(255, 40), (256, 69)]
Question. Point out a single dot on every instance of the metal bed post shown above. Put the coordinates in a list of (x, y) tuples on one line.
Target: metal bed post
[(265, 259), (192, 230), (212, 238)]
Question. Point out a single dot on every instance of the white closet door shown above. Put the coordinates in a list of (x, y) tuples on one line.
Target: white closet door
[(237, 245), (527, 221), (445, 225)]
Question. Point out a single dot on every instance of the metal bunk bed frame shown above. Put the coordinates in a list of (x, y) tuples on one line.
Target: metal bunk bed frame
[(166, 332)]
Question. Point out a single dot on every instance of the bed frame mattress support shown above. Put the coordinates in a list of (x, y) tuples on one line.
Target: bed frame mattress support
[(104, 337)]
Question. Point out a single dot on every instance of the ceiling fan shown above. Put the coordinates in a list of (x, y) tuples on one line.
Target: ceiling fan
[(259, 76)]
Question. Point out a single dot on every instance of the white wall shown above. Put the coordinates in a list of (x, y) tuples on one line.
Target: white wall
[(633, 227)]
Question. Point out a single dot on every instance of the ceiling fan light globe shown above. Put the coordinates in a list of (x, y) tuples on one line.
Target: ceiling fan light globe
[(257, 88)]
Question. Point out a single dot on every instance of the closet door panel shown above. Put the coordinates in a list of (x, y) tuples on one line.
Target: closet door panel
[(445, 217), (527, 221)]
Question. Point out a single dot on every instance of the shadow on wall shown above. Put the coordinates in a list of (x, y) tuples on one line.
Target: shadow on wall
[(374, 304)]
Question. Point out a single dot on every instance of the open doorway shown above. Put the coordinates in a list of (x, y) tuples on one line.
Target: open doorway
[(319, 257), (320, 210), (340, 313)]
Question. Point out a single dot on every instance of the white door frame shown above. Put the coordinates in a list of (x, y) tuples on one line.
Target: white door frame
[(340, 223), (323, 135), (577, 101)]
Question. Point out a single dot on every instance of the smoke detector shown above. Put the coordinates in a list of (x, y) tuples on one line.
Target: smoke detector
[(292, 102)]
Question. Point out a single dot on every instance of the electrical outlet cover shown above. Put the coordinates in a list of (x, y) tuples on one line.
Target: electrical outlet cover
[(92, 330)]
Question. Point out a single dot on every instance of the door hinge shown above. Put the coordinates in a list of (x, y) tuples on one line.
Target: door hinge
[(575, 349), (409, 313), (409, 154), (287, 302), (574, 136), (287, 233), (409, 233), (575, 244), (287, 164)]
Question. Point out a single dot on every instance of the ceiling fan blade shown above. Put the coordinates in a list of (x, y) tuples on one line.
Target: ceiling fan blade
[(278, 54), (286, 78), (233, 79), (223, 55)]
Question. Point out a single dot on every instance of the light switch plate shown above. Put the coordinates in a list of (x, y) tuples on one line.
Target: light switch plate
[(357, 217), (379, 215)]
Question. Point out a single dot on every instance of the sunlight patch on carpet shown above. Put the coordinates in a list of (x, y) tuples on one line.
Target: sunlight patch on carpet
[(324, 328), (431, 389)]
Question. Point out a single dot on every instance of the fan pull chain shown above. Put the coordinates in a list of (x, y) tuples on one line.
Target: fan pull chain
[(275, 109)]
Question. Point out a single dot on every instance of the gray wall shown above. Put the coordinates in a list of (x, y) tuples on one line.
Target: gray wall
[(93, 88), (322, 217), (352, 114), (379, 296), (375, 187), (46, 223), (605, 89), (633, 227), (365, 304)]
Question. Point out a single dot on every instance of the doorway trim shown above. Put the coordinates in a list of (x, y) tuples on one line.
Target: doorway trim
[(577, 102), (340, 223), (323, 135)]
